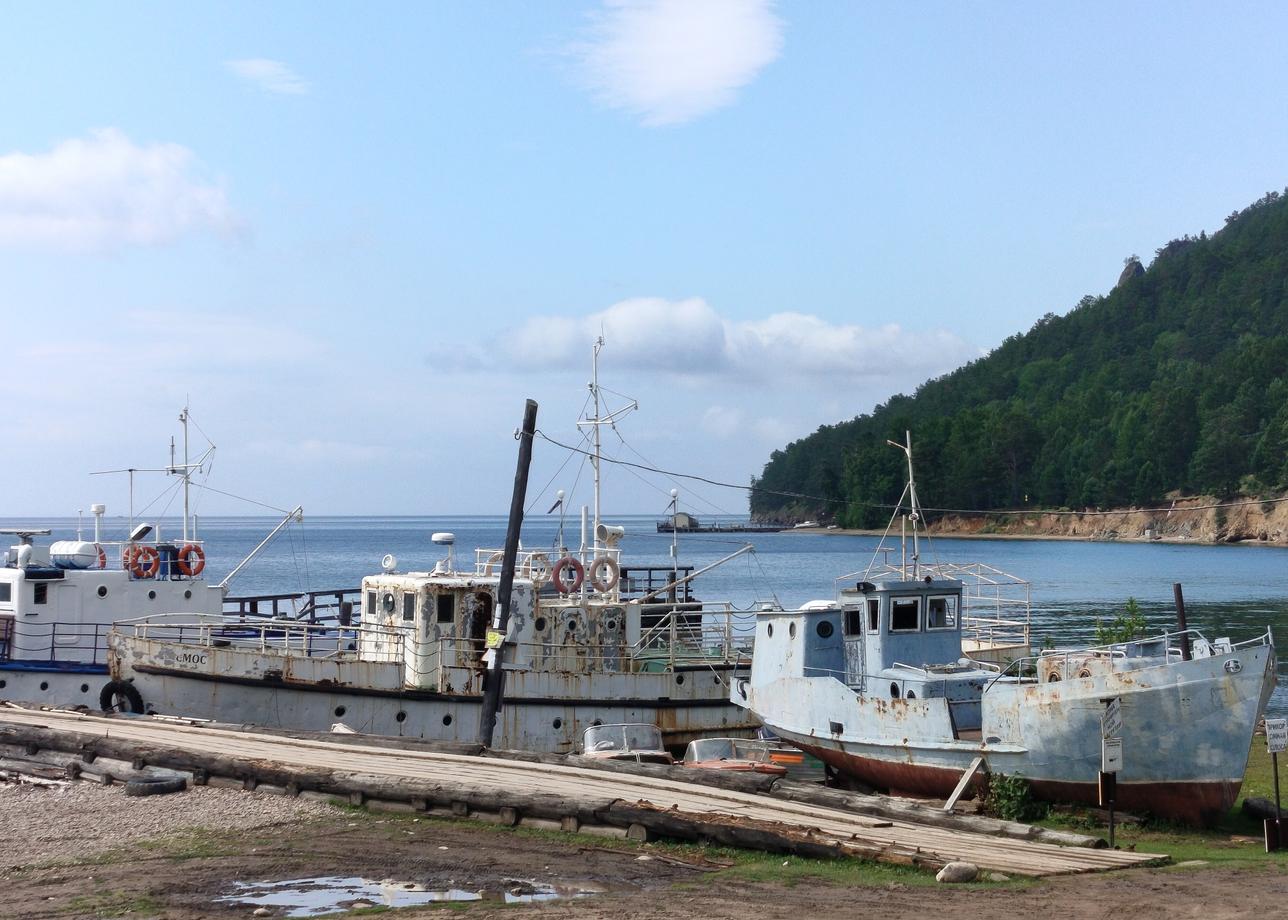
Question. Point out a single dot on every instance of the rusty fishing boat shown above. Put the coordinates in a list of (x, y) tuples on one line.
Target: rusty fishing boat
[(879, 685)]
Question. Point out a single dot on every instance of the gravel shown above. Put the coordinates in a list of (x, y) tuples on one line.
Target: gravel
[(39, 824)]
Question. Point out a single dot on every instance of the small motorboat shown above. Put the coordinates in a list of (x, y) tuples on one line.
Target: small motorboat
[(638, 742), (742, 755)]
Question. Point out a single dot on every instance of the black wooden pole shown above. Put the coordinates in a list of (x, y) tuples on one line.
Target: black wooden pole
[(1180, 621), (494, 679)]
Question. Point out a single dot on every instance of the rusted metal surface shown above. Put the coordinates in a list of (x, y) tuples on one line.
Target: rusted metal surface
[(915, 728)]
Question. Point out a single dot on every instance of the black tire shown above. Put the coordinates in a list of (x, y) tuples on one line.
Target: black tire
[(120, 696), (155, 786)]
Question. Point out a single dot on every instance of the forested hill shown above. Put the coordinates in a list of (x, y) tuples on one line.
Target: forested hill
[(1176, 380)]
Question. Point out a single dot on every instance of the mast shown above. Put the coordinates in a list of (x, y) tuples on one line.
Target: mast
[(594, 460), (915, 515)]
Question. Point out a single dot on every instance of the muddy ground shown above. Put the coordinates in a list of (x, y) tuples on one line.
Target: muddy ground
[(108, 870)]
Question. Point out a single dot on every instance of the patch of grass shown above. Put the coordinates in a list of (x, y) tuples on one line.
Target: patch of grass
[(113, 904), (1235, 841)]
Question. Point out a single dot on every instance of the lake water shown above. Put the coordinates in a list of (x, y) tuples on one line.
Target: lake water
[(1234, 591)]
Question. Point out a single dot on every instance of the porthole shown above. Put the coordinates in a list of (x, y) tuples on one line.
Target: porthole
[(102, 590), (558, 723), (679, 678), (824, 629), (610, 625), (44, 685), (2, 684), (152, 595), (770, 630), (400, 717), (84, 688), (187, 595), (447, 719), (911, 695), (791, 631), (339, 711), (894, 691), (1085, 672), (540, 624), (716, 679)]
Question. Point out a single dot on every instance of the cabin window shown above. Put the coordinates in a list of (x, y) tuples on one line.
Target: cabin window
[(853, 621), (445, 608), (6, 592), (941, 613), (409, 606), (388, 602), (874, 608), (905, 614), (41, 592), (371, 605)]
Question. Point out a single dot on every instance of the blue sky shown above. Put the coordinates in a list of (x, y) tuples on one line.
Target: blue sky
[(356, 237)]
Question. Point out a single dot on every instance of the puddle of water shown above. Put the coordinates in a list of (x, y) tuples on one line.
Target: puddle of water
[(311, 897)]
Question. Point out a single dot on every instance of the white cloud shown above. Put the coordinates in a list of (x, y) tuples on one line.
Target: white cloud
[(103, 191), (689, 337), (270, 76), (671, 61)]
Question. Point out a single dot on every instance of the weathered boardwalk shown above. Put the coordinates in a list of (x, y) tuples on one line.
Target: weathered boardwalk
[(576, 796)]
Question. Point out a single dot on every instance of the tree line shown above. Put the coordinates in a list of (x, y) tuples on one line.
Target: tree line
[(1177, 380)]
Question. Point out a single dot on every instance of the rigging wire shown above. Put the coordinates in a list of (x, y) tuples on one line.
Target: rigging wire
[(886, 505)]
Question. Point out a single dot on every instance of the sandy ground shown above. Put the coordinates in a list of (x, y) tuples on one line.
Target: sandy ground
[(96, 853)]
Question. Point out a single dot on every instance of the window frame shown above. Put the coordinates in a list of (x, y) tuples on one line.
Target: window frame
[(954, 609), (895, 602)]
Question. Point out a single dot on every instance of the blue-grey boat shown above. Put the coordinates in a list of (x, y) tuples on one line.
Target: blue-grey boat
[(875, 684)]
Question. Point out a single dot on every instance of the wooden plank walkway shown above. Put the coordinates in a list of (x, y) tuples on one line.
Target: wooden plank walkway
[(509, 783)]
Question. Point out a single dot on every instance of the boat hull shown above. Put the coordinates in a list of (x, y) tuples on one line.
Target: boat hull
[(543, 710), (1187, 731)]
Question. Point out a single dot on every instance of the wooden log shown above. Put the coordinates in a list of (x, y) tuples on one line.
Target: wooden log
[(913, 812)]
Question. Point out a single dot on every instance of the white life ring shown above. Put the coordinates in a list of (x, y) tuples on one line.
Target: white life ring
[(494, 559), (603, 580)]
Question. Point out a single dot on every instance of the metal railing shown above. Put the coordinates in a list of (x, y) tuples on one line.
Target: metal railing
[(1114, 655), (312, 606), (84, 643)]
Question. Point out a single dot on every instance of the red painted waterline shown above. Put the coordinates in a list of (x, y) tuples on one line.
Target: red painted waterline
[(1201, 803)]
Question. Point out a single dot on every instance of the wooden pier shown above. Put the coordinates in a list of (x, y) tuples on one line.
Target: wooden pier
[(536, 791)]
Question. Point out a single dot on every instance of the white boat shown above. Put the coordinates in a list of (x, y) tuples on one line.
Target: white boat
[(58, 600), (587, 644), (877, 684)]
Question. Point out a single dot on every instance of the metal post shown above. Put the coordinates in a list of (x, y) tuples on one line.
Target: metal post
[(494, 679), (1180, 621)]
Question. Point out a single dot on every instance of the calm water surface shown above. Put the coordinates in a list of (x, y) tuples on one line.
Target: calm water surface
[(1234, 591)]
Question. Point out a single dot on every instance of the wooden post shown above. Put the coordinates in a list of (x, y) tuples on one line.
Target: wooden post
[(1180, 621), (494, 679)]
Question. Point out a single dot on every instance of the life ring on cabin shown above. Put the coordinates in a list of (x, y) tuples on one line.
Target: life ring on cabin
[(102, 557), (494, 559), (598, 579), (578, 575), (120, 696), (143, 561), (191, 569), (538, 569)]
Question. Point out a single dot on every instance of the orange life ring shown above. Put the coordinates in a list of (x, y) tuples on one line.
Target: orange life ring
[(578, 575), (144, 561), (191, 569), (102, 557), (601, 581)]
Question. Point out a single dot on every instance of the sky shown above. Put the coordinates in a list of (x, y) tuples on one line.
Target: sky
[(354, 238)]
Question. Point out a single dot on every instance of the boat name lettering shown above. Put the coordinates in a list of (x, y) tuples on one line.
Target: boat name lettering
[(190, 658)]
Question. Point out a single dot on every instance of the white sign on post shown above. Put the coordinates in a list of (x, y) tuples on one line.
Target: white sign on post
[(1277, 735), (1111, 755), (1111, 722)]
